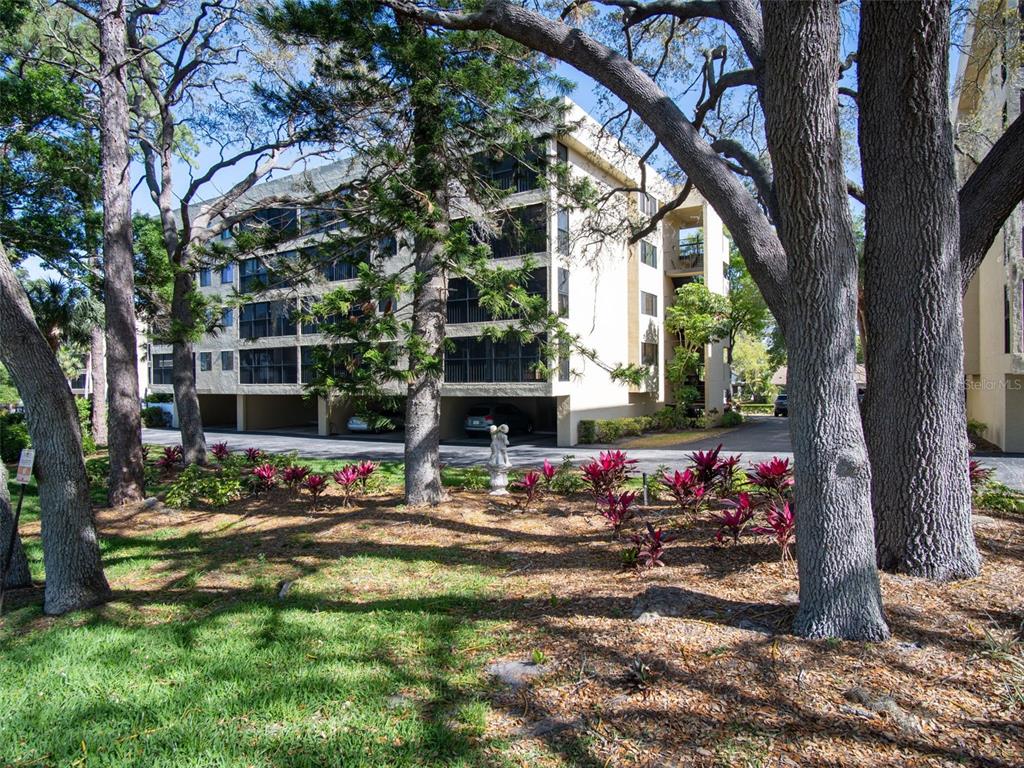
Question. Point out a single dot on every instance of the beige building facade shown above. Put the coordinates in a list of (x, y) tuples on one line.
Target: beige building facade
[(988, 98), (609, 293)]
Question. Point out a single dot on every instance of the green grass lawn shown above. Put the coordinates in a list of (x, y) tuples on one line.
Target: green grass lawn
[(202, 677), (179, 672)]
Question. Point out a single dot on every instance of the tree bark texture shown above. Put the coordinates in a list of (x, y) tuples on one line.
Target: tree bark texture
[(18, 574), (839, 588), (98, 374), (914, 409), (71, 552), (186, 399), (127, 476), (423, 401)]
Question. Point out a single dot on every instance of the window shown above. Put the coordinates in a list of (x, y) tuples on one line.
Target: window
[(227, 361), (511, 173), (562, 153), (226, 234), (649, 204), (254, 275), (482, 360), (227, 274), (648, 254), (205, 276), (227, 317), (277, 365), (649, 354), (1006, 319), (163, 367), (206, 361), (281, 221), (563, 292), (464, 298), (563, 231), (563, 360), (346, 266), (523, 231), (648, 304), (266, 318)]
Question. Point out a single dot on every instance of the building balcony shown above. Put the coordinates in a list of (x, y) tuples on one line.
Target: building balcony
[(686, 257)]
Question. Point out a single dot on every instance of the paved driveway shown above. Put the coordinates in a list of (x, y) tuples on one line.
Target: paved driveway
[(760, 439)]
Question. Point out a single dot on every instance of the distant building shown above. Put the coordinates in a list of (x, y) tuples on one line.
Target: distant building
[(251, 375), (989, 98)]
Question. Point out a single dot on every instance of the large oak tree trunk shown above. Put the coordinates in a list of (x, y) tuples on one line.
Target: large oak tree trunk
[(18, 574), (839, 589), (98, 374), (914, 410), (71, 552), (127, 476)]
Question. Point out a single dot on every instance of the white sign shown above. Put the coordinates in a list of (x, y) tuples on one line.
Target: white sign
[(28, 457)]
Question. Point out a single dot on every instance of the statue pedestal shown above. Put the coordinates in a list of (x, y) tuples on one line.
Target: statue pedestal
[(499, 480)]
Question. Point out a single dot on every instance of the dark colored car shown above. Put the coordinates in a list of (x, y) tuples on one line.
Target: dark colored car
[(782, 404), (480, 419)]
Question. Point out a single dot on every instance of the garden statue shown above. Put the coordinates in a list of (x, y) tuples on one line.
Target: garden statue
[(498, 463)]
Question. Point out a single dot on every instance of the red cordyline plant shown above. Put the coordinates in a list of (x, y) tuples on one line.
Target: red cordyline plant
[(265, 477), (774, 476), (650, 546), (607, 472), (220, 451), (618, 509), (688, 491), (346, 478), (979, 475), (294, 475), (781, 525), (735, 518), (315, 484), (253, 455), (727, 473), (548, 471), (365, 470), (531, 488), (172, 456), (714, 472)]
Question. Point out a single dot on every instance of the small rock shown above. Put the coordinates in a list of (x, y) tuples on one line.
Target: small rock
[(665, 602), (908, 647), (549, 726), (515, 673), (398, 701), (648, 617), (753, 626), (983, 520), (884, 705), (283, 588), (150, 502), (791, 598)]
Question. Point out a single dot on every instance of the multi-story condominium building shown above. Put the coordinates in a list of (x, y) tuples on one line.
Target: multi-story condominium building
[(989, 98), (608, 292)]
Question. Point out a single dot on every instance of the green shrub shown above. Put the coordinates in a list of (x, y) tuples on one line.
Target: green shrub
[(84, 406), (13, 436), (1001, 498), (567, 480), (587, 431), (153, 416), (160, 397), (760, 409), (196, 485), (732, 419)]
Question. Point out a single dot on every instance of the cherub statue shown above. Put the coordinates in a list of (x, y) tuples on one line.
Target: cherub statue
[(499, 447)]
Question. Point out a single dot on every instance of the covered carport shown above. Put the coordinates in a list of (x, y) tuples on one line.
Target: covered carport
[(540, 409)]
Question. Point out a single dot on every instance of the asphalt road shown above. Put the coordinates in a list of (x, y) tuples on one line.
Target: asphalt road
[(760, 439)]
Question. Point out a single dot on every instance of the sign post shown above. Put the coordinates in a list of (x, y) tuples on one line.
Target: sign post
[(28, 458)]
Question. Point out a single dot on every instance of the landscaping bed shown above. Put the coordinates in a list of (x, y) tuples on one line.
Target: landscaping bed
[(269, 633)]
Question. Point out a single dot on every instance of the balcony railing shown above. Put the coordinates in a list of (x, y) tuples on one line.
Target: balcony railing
[(515, 180), (689, 256)]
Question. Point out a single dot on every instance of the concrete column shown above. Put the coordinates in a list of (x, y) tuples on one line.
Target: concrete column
[(240, 420), (716, 258), (323, 417), (566, 437)]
